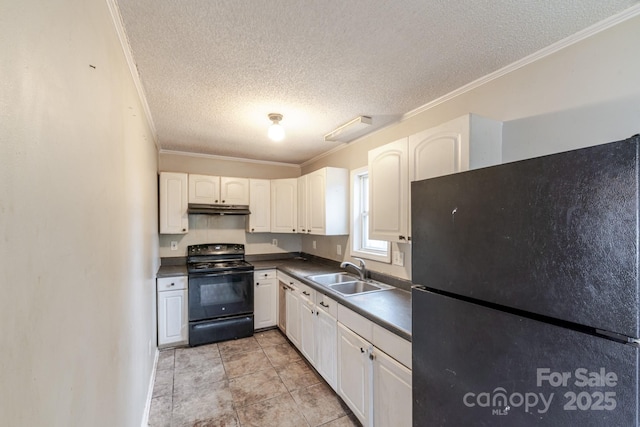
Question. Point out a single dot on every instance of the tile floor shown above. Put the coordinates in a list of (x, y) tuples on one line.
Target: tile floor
[(256, 381)]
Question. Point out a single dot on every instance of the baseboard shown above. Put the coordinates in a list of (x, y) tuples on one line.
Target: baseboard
[(147, 406)]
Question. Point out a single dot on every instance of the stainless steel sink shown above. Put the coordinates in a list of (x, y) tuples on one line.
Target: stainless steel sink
[(358, 287), (332, 278)]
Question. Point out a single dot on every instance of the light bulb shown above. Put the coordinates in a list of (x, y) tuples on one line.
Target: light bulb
[(276, 131)]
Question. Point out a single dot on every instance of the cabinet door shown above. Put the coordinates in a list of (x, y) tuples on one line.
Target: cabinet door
[(388, 192), (326, 347), (265, 303), (234, 191), (204, 189), (293, 317), (173, 203), (260, 206), (172, 317), (316, 215), (354, 373), (392, 392), (307, 329), (284, 205), (303, 201)]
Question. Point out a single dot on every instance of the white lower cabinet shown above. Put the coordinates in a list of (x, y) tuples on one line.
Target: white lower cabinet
[(392, 392), (265, 299), (173, 323), (307, 329), (326, 335), (294, 320), (375, 386), (354, 373)]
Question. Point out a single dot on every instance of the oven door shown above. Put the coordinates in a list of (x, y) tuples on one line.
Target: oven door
[(220, 295)]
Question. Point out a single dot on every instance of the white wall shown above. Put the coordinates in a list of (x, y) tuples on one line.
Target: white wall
[(78, 221), (585, 94)]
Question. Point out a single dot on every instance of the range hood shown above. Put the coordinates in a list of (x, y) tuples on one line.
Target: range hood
[(197, 208)]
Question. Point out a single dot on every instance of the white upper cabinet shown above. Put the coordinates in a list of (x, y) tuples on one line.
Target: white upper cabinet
[(173, 203), (260, 206), (284, 205), (302, 204), (389, 192), (216, 190), (465, 143), (234, 191), (204, 189), (326, 202)]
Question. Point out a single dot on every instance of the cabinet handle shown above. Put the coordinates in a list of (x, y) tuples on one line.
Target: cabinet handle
[(253, 229), (409, 238), (258, 284), (317, 312), (184, 229), (323, 304), (361, 350), (216, 201), (173, 284), (306, 293), (372, 356), (294, 229), (223, 201), (401, 237)]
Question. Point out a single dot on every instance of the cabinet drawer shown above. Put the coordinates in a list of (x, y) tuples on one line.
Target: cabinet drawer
[(393, 345), (264, 274), (172, 283), (357, 323), (327, 304), (307, 292)]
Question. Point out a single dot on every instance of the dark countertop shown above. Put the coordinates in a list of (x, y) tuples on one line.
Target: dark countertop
[(172, 270), (390, 309)]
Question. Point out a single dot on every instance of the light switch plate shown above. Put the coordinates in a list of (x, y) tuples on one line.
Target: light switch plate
[(274, 242), (398, 258), (174, 246), (339, 249), (314, 245)]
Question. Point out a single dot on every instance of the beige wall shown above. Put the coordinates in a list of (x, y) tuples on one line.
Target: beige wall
[(585, 94), (78, 221), (217, 166)]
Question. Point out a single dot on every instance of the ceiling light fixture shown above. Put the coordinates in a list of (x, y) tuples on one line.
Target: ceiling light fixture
[(348, 131), (276, 131)]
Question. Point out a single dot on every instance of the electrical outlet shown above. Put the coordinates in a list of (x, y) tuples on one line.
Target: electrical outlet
[(398, 258), (314, 245), (339, 250), (274, 242), (174, 246)]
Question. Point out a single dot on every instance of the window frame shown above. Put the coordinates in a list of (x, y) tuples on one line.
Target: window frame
[(356, 248)]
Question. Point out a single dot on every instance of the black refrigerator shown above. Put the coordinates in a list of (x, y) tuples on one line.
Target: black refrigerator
[(526, 296)]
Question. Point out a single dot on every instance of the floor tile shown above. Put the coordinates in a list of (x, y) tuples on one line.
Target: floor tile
[(195, 380), (241, 345), (160, 412), (282, 354), (281, 411), (346, 421), (165, 359), (163, 383), (319, 404), (239, 364), (297, 375), (256, 387), (200, 406), (270, 338), (186, 361)]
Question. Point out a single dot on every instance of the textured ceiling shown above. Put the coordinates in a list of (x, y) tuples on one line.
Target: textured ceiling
[(213, 69)]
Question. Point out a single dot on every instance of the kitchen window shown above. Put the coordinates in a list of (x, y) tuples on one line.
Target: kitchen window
[(361, 245)]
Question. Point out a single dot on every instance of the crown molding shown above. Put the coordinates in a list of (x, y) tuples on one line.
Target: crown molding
[(116, 17), (598, 27), (230, 159)]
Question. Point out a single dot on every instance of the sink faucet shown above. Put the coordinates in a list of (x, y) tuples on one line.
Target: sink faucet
[(362, 270)]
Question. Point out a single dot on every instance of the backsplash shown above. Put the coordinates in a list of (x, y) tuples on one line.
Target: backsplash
[(227, 229)]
